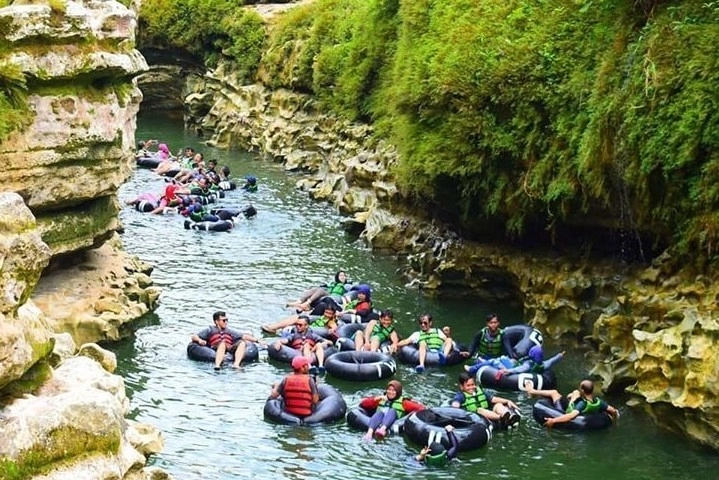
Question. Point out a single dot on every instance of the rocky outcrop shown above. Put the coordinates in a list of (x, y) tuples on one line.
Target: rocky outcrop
[(73, 426), (654, 328), (69, 162)]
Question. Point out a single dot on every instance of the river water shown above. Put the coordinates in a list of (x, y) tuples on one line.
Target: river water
[(212, 422)]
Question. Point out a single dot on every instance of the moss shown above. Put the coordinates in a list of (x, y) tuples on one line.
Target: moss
[(84, 221), (33, 379), (61, 445)]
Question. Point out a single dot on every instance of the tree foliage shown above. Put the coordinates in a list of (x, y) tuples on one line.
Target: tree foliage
[(529, 112), (208, 29)]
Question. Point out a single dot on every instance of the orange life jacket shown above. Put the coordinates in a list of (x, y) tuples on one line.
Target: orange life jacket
[(298, 395)]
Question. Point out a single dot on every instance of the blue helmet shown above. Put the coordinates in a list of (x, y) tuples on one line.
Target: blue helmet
[(251, 179), (364, 288)]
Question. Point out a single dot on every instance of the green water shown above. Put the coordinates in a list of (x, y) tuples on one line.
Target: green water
[(212, 422)]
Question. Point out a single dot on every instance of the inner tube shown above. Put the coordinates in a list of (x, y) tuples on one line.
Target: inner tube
[(427, 426), (409, 354), (361, 366), (331, 408), (347, 333), (358, 418), (203, 353), (227, 185), (148, 162), (518, 339), (285, 354), (218, 226), (226, 213), (145, 206), (544, 408), (486, 376)]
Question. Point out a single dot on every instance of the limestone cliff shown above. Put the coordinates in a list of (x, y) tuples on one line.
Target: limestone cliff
[(654, 328)]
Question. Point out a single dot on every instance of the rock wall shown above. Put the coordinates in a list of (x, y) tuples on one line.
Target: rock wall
[(654, 328), (62, 415)]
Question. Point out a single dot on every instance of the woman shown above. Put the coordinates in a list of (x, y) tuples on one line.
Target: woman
[(310, 297), (387, 409)]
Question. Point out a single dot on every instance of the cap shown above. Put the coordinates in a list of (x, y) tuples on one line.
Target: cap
[(299, 362), (170, 191)]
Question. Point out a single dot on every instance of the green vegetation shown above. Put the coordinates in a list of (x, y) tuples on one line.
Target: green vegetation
[(527, 115), (530, 113), (209, 29), (34, 378), (14, 112)]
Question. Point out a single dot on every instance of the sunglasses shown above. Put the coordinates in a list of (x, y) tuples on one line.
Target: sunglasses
[(424, 323)]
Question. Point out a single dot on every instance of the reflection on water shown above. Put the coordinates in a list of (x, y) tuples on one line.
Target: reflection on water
[(212, 421)]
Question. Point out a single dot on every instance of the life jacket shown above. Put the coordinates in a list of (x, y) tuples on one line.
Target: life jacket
[(473, 402), (431, 338), (298, 341), (534, 367), (298, 395), (490, 348), (218, 336), (321, 321), (397, 405), (589, 406), (381, 332), (336, 288)]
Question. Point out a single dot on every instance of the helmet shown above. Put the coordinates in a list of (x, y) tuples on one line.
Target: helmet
[(536, 354), (437, 456), (251, 179), (364, 288)]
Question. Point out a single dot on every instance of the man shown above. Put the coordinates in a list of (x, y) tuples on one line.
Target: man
[(298, 390), (487, 343), (580, 402), (224, 340), (307, 342), (428, 339)]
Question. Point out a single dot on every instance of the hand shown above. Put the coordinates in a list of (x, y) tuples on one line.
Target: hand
[(464, 354), (449, 428), (548, 422), (202, 342), (513, 405)]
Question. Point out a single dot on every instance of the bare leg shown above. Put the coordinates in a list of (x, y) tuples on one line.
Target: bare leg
[(422, 353), (285, 322), (374, 344), (320, 352), (239, 353), (447, 347), (220, 355), (554, 395), (359, 340)]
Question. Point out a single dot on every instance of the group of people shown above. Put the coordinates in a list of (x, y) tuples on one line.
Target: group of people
[(187, 175), (339, 299)]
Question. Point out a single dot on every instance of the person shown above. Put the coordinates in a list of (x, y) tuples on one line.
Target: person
[(377, 333), (250, 184), (487, 343), (533, 363), (358, 309), (580, 402), (387, 409), (311, 296), (307, 342), (143, 148), (224, 340), (169, 198), (428, 339), (475, 399), (298, 390), (435, 455)]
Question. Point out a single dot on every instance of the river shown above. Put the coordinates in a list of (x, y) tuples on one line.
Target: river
[(212, 422)]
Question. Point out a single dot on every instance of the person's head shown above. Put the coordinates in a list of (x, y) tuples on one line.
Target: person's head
[(363, 292), (447, 330), (225, 171), (140, 145), (493, 322), (251, 180), (301, 364), (425, 322), (170, 190), (330, 311), (386, 317), (163, 148), (394, 390), (341, 276), (302, 323), (212, 163), (536, 353), (437, 455), (586, 388), (202, 182), (189, 151), (220, 318), (467, 383)]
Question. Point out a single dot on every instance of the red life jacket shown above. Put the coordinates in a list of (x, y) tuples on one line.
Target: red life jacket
[(299, 340), (217, 336), (298, 395)]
